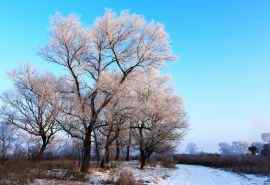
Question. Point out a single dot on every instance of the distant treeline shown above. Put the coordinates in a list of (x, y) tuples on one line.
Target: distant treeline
[(255, 164)]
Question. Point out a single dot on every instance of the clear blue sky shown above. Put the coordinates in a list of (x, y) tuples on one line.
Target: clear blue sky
[(223, 66)]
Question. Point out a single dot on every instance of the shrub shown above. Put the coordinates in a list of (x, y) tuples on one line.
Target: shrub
[(126, 178), (114, 164), (167, 163)]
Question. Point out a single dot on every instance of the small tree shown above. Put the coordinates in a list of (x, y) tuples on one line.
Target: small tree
[(33, 105), (159, 117)]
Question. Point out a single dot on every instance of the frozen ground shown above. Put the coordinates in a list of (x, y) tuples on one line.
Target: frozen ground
[(182, 175), (196, 175)]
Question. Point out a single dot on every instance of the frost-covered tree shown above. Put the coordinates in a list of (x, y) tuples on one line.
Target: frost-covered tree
[(159, 117), (240, 147), (266, 137), (236, 148), (192, 148), (6, 139), (225, 148), (32, 105), (116, 123), (266, 150), (91, 56)]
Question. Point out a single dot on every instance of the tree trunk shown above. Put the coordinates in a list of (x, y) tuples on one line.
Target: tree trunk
[(102, 162), (86, 153), (3, 151), (127, 153), (142, 161), (128, 146), (117, 149), (108, 142), (105, 158), (142, 154), (96, 147), (107, 155), (41, 150)]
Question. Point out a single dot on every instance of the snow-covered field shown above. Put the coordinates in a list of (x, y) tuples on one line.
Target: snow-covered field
[(198, 175), (182, 175)]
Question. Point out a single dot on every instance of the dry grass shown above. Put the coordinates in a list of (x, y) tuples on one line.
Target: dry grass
[(163, 162), (24, 172), (57, 182), (16, 172)]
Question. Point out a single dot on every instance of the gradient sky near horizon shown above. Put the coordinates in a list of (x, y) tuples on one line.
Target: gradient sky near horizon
[(222, 47)]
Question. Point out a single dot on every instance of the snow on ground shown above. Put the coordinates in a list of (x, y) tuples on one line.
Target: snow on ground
[(98, 177), (151, 175), (182, 175), (199, 175), (196, 175)]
